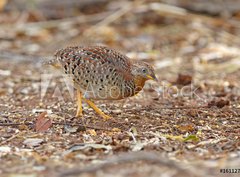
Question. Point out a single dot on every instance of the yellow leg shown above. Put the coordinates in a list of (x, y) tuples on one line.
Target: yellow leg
[(95, 108), (79, 103)]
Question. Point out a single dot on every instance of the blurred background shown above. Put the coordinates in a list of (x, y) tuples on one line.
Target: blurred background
[(192, 44), (167, 33)]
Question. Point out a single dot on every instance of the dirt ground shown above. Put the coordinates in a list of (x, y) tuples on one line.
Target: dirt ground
[(187, 124)]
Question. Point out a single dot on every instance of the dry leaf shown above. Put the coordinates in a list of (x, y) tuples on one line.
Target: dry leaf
[(184, 79), (32, 142), (191, 138), (42, 123), (92, 132), (174, 137), (185, 128), (220, 103), (116, 129), (71, 129), (4, 149)]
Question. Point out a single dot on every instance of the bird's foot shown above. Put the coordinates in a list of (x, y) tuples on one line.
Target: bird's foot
[(79, 114), (97, 110), (105, 116)]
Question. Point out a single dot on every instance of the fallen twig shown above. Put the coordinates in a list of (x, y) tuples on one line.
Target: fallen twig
[(126, 158), (114, 16), (56, 123), (12, 137), (69, 21)]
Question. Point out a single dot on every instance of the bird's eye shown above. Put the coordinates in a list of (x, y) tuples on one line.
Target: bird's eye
[(144, 70)]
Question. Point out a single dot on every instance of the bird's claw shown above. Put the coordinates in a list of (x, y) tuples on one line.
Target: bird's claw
[(105, 117)]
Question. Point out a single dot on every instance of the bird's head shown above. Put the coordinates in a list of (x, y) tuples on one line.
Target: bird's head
[(143, 71)]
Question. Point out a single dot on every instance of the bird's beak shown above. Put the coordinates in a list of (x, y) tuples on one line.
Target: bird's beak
[(152, 77)]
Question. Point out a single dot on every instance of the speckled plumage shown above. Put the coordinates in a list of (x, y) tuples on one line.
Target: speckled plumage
[(101, 73), (104, 73)]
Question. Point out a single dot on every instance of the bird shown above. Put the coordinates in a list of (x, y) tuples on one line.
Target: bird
[(101, 73)]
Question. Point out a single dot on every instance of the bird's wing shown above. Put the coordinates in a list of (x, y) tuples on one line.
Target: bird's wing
[(100, 56)]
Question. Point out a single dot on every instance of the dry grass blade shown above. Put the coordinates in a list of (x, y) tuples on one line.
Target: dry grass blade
[(11, 138), (113, 17)]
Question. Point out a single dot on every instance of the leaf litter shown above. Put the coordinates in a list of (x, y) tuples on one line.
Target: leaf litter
[(42, 123), (40, 137)]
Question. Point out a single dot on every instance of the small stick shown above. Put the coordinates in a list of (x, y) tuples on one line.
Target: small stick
[(12, 137), (125, 158), (55, 123), (114, 16)]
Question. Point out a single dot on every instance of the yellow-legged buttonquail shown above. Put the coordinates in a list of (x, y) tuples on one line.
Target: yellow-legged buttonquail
[(101, 73)]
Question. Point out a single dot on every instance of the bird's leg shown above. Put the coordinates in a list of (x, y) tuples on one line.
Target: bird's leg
[(95, 108), (79, 103)]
